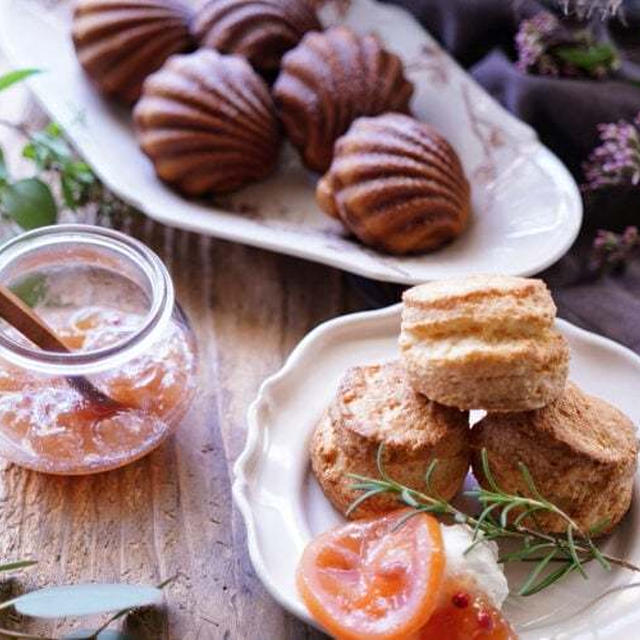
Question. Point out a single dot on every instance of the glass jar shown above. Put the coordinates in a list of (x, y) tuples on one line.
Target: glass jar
[(111, 300)]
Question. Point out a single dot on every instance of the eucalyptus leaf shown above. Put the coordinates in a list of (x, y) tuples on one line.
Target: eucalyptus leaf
[(88, 634), (13, 77), (29, 202), (19, 564), (85, 600)]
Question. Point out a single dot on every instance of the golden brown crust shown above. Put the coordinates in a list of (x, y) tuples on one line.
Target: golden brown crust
[(580, 450), (375, 405), (208, 123), (120, 42), (484, 342), (397, 185), (260, 30), (330, 79)]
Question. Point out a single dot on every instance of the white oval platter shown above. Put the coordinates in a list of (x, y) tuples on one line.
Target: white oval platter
[(526, 207), (283, 506)]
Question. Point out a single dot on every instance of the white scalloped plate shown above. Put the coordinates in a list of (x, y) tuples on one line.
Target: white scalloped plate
[(527, 209), (283, 506)]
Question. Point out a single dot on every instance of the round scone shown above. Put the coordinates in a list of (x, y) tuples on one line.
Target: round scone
[(484, 342), (330, 79), (376, 406), (208, 123), (580, 451), (260, 30), (396, 184), (120, 42)]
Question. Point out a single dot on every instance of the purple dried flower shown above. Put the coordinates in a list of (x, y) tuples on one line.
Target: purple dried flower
[(532, 43), (613, 251), (547, 47), (616, 162)]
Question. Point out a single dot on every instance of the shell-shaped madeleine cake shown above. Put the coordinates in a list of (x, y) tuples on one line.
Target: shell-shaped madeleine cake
[(120, 42), (208, 123), (260, 30), (397, 185), (329, 80)]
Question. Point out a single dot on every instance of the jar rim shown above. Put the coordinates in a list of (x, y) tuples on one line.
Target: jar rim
[(162, 298)]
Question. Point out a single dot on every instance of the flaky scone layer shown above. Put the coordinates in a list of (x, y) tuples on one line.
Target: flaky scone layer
[(484, 342)]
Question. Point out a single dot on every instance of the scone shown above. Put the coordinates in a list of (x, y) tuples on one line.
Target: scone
[(484, 342), (396, 184), (375, 405), (580, 451)]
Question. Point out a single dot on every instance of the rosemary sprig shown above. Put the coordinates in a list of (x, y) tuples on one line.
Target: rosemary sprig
[(572, 550)]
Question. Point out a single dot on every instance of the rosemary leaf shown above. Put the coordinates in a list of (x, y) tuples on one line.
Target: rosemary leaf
[(574, 549)]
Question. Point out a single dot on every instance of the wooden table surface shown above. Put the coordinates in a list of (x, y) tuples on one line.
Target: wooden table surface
[(172, 512)]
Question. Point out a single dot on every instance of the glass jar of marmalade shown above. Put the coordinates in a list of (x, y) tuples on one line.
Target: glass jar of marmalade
[(111, 300)]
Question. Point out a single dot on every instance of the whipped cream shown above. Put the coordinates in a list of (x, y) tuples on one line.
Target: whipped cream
[(480, 565)]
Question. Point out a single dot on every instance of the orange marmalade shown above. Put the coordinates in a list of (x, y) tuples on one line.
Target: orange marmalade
[(126, 337)]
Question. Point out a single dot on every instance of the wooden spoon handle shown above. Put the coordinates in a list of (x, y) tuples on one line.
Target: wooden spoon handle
[(23, 318), (29, 324)]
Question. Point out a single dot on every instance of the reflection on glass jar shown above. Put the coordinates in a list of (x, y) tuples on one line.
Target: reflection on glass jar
[(111, 301)]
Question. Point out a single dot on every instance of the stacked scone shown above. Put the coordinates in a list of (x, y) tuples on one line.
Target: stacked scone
[(481, 342)]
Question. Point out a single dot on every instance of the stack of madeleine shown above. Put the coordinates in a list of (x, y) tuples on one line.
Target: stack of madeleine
[(482, 342)]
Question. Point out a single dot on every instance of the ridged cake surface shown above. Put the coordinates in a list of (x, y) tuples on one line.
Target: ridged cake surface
[(330, 79), (120, 42), (208, 123), (260, 30), (397, 185), (484, 342)]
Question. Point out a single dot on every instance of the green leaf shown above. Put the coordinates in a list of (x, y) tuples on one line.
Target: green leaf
[(364, 497), (429, 475), (548, 580), (531, 485), (589, 58), (31, 289), (13, 77), (84, 600), (530, 583), (29, 202), (574, 553), (379, 464), (408, 498), (487, 471), (19, 564), (53, 142)]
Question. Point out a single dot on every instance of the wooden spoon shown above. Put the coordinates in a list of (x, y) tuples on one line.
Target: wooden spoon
[(22, 318)]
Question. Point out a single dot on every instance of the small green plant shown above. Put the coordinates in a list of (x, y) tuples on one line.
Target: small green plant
[(60, 180)]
